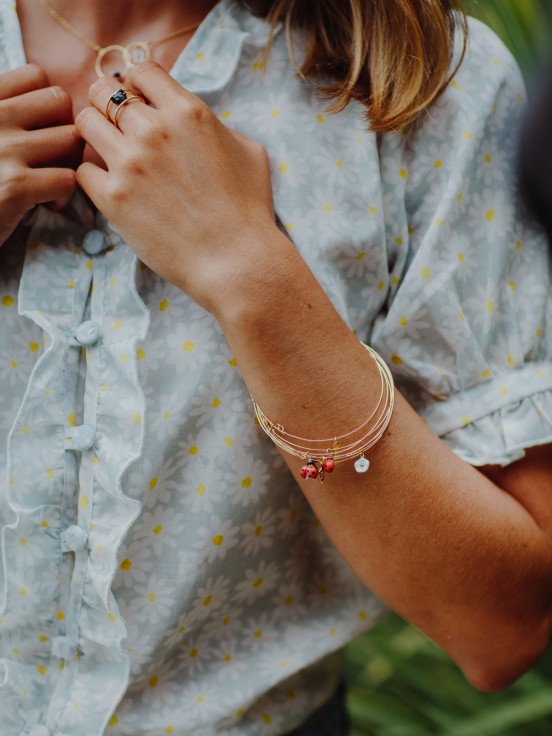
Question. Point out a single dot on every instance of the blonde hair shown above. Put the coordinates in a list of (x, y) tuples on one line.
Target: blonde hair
[(392, 56)]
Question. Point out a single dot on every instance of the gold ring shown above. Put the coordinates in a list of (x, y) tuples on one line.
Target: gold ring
[(116, 99), (122, 104)]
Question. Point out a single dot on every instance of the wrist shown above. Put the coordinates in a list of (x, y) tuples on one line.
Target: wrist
[(251, 285)]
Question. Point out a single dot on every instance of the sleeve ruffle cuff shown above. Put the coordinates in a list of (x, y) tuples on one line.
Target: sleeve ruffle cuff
[(492, 423)]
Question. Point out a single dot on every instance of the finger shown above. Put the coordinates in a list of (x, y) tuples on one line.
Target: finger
[(47, 185), (158, 87), (99, 133), (51, 144), (133, 112), (39, 108), (24, 79), (93, 180)]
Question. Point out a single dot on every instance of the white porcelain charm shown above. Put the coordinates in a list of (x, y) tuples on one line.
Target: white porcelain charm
[(362, 465)]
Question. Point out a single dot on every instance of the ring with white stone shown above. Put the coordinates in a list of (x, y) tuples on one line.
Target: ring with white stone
[(362, 465)]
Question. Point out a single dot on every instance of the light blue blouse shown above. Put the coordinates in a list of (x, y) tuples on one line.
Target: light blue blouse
[(161, 570)]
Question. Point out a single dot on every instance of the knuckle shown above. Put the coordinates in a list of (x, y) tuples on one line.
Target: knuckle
[(143, 68), (60, 96), (13, 180), (196, 112), (117, 191), (133, 163), (83, 118), (37, 75), (102, 87)]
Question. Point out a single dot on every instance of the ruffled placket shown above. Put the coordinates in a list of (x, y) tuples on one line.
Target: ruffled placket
[(75, 512)]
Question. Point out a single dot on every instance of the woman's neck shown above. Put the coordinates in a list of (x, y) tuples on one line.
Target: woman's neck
[(108, 22)]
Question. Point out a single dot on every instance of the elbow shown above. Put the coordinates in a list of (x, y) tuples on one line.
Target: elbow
[(508, 659)]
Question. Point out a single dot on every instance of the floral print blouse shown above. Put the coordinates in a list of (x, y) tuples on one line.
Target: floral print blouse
[(161, 570)]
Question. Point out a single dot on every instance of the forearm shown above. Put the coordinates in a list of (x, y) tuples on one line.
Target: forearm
[(433, 537)]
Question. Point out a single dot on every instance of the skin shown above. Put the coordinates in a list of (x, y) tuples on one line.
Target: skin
[(465, 554)]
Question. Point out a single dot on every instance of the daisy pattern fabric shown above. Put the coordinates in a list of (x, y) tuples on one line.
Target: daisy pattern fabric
[(161, 571)]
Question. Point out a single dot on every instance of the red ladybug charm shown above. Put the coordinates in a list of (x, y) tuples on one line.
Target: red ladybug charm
[(328, 465), (309, 470)]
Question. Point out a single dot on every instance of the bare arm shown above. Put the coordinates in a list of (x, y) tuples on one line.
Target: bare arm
[(466, 558)]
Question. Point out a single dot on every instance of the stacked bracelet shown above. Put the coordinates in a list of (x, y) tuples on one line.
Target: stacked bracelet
[(323, 455)]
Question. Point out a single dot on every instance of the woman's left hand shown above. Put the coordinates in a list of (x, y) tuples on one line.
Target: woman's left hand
[(190, 196)]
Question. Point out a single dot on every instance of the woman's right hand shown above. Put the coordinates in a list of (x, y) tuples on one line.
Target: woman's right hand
[(38, 144)]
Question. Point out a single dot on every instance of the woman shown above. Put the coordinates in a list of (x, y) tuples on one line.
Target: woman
[(163, 571)]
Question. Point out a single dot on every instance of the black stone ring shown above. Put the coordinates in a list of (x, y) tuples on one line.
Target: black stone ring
[(117, 98)]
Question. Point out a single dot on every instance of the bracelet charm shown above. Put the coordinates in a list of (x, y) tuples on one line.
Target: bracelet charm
[(320, 459)]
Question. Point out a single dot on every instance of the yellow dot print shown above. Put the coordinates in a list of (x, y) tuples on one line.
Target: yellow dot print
[(361, 255), (490, 215), (163, 304), (158, 529), (403, 321), (246, 482), (140, 354), (218, 539), (226, 114), (201, 489), (71, 419), (8, 300), (188, 346), (490, 306), (200, 56), (33, 347), (397, 360), (126, 564), (113, 721), (425, 273), (153, 681), (437, 164), (284, 168), (320, 118), (403, 174)]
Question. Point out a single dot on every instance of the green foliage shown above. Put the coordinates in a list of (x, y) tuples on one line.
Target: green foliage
[(524, 25), (400, 684)]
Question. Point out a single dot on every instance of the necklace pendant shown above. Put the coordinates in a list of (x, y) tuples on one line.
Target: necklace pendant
[(138, 52), (115, 48)]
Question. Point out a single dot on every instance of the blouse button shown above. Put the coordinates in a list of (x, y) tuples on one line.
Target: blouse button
[(39, 731), (63, 647), (88, 333), (73, 539), (83, 437), (94, 242)]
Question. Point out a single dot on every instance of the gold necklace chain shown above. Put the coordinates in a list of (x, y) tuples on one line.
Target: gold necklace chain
[(132, 54)]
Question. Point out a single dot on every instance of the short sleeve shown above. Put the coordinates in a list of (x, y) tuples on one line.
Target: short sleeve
[(468, 329)]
